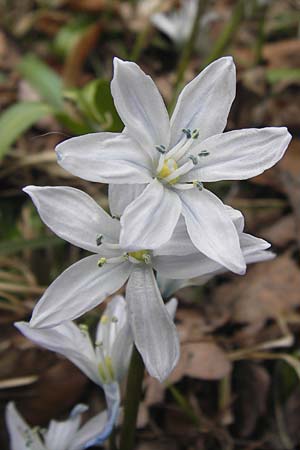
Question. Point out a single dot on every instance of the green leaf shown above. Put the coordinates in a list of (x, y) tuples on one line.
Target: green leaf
[(17, 119), (42, 78), (283, 74), (98, 96), (17, 245), (96, 103)]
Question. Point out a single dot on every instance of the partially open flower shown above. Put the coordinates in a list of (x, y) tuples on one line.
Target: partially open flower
[(63, 435)]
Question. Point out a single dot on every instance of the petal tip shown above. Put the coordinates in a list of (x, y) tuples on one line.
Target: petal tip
[(28, 189)]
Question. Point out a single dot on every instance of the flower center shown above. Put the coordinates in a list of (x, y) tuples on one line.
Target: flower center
[(180, 160), (169, 166), (141, 256)]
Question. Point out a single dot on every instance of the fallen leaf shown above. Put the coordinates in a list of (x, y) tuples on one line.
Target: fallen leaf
[(252, 389), (269, 290), (281, 233), (201, 360)]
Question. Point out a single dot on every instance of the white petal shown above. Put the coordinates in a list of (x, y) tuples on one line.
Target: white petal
[(259, 256), (254, 249), (211, 228), (171, 306), (115, 317), (105, 158), (121, 195), (78, 289), (240, 154), (121, 350), (166, 25), (149, 221), (205, 102), (179, 244), (74, 216), (116, 309), (89, 432), (250, 244), (88, 435), (154, 332), (19, 432), (60, 434), (184, 266), (140, 106), (68, 340), (236, 217), (168, 286)]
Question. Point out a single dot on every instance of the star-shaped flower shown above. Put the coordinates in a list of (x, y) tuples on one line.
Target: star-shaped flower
[(169, 160), (64, 435), (76, 217)]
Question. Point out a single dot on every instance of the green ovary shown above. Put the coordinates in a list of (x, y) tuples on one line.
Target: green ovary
[(140, 255), (170, 165)]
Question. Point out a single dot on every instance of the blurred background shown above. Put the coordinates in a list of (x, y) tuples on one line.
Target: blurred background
[(237, 385)]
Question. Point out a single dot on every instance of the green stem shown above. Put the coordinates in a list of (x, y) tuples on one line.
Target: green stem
[(133, 397), (226, 36), (140, 43), (188, 49), (260, 36), (184, 405), (112, 440)]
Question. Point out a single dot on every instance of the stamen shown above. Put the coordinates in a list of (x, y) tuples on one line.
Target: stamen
[(180, 150), (161, 149), (194, 159), (109, 367), (101, 261), (185, 168), (115, 260), (84, 328), (187, 132), (195, 134), (160, 164), (102, 373), (203, 153), (198, 185), (147, 258), (99, 238), (183, 186)]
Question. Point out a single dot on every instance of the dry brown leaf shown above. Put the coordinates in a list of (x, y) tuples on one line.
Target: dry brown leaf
[(191, 325), (281, 233), (289, 163), (284, 53), (201, 360), (77, 56), (269, 290), (252, 395)]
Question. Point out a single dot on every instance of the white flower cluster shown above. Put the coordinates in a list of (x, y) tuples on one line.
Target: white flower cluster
[(164, 224)]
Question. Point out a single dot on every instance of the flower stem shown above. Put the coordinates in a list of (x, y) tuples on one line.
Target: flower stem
[(133, 397), (140, 42), (227, 34), (188, 48)]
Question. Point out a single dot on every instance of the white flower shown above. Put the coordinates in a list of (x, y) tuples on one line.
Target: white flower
[(74, 216), (178, 23), (64, 435), (199, 269), (169, 160), (105, 363)]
